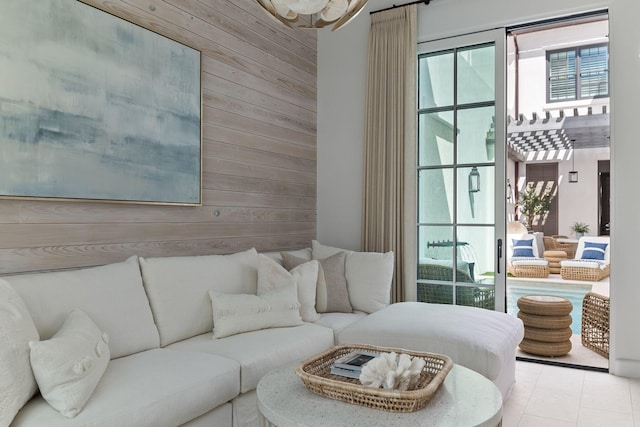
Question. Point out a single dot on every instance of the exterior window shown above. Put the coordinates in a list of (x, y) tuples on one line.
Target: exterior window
[(578, 73)]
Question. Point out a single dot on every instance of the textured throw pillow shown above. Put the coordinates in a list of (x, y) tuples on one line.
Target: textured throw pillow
[(368, 274), (594, 250), (332, 295), (69, 366), (17, 383), (523, 248), (272, 276), (237, 313)]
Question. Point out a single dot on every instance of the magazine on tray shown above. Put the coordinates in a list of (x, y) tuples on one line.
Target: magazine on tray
[(348, 373), (355, 360)]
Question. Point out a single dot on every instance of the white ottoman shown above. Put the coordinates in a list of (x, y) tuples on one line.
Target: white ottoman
[(482, 340)]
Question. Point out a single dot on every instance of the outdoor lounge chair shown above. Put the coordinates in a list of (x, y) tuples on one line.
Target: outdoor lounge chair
[(522, 257), (591, 262)]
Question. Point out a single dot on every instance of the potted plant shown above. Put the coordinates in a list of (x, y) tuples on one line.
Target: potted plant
[(580, 229), (533, 202)]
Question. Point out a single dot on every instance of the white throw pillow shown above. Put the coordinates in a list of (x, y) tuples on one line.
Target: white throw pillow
[(69, 366), (368, 274), (272, 276), (237, 313), (17, 383)]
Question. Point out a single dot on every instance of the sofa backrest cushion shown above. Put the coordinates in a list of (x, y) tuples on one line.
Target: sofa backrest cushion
[(178, 289), (112, 295)]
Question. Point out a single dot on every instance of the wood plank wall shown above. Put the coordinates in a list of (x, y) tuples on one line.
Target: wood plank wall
[(259, 151)]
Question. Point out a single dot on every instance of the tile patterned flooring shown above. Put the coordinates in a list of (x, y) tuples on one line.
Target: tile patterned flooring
[(551, 396)]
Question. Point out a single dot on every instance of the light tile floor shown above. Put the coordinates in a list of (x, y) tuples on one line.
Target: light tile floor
[(550, 396)]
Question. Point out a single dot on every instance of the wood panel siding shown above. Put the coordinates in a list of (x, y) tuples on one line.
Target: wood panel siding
[(258, 151)]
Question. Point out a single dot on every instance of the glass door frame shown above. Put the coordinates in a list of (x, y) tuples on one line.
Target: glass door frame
[(498, 38)]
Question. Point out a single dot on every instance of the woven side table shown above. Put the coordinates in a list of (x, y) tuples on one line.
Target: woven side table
[(554, 258), (546, 324)]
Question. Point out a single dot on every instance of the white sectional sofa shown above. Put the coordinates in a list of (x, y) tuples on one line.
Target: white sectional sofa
[(165, 367)]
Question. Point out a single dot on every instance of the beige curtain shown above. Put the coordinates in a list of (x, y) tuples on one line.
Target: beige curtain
[(390, 141)]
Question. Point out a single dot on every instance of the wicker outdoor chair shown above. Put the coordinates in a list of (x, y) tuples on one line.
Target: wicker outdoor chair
[(530, 266), (473, 296), (595, 323), (550, 243), (583, 267)]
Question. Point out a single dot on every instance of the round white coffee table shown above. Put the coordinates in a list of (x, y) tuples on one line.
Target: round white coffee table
[(466, 398)]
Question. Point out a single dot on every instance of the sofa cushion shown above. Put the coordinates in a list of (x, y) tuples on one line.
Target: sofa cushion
[(475, 338), (237, 313), (368, 275), (17, 383), (258, 352), (112, 295), (156, 388), (272, 275), (69, 365), (178, 289), (339, 321)]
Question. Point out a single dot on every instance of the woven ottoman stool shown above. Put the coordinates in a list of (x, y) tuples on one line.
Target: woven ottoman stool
[(554, 258), (546, 325)]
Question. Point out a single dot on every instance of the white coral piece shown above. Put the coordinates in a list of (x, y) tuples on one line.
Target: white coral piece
[(391, 371)]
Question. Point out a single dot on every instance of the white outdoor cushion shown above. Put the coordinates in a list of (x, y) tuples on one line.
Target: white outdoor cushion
[(528, 261), (17, 383), (68, 366), (272, 275), (155, 388), (258, 352), (368, 274), (178, 289), (583, 263), (237, 313), (478, 339), (112, 295)]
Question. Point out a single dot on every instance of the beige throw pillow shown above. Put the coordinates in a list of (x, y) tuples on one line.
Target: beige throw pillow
[(237, 313), (17, 383), (272, 276), (332, 294), (69, 366), (368, 274)]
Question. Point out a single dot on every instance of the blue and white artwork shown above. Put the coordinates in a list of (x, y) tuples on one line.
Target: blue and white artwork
[(95, 107)]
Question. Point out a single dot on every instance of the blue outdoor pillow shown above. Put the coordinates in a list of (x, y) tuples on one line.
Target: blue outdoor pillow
[(523, 248), (594, 250)]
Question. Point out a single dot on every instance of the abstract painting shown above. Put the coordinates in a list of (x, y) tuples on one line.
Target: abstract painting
[(95, 107)]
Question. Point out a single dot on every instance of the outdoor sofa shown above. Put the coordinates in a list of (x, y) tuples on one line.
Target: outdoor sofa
[(182, 341)]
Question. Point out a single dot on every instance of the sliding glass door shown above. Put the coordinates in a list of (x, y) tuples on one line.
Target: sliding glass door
[(461, 171)]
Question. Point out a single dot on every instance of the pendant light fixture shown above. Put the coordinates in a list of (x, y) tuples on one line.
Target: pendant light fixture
[(573, 173), (313, 13)]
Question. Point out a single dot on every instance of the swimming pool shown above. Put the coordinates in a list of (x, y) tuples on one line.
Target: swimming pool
[(572, 292)]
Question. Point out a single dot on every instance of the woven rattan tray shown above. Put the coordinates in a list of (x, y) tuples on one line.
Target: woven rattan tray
[(316, 376)]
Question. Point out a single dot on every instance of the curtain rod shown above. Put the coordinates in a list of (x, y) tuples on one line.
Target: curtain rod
[(395, 6)]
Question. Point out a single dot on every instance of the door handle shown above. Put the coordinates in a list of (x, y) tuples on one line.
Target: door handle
[(499, 254)]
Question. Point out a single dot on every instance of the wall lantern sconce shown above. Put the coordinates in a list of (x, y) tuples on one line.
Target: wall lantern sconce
[(474, 180), (510, 198), (573, 173)]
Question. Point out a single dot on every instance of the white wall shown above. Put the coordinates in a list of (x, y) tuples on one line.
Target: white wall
[(341, 79)]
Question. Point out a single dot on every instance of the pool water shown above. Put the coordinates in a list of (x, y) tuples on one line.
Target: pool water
[(574, 293)]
